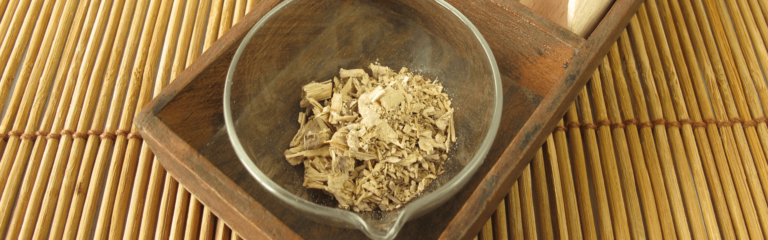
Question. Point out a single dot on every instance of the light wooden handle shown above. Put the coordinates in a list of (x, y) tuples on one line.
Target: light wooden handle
[(579, 16), (584, 15)]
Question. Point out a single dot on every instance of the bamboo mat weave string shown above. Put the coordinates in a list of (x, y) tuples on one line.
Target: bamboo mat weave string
[(668, 140)]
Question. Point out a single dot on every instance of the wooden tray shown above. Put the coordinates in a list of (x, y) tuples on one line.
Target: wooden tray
[(543, 67)]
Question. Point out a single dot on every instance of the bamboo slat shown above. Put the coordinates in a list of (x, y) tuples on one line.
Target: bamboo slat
[(222, 231), (628, 181), (15, 42), (514, 213), (669, 139), (598, 179), (661, 110), (44, 151), (485, 234), (581, 176), (8, 16), (17, 170), (744, 59), (608, 156), (736, 191), (173, 67), (31, 21), (527, 205), (569, 225), (499, 221), (541, 196), (239, 11), (92, 153), (133, 60), (69, 209), (164, 51), (646, 133), (61, 181), (25, 150)]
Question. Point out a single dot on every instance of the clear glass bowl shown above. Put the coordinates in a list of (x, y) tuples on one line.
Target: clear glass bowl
[(300, 41)]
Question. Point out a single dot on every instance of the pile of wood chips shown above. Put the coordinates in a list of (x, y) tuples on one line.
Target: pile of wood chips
[(373, 141)]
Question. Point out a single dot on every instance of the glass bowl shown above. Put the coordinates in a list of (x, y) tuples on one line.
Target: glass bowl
[(300, 41)]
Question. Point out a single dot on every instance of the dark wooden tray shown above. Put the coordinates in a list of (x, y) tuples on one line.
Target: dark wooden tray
[(543, 67)]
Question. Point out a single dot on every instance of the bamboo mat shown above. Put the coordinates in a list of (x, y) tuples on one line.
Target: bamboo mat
[(668, 140)]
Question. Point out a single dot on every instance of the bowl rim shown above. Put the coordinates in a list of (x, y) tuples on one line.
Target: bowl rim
[(450, 188)]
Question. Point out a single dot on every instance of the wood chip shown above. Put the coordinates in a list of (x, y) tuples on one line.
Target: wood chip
[(373, 141)]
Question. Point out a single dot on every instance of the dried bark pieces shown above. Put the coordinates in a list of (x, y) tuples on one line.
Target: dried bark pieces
[(373, 141)]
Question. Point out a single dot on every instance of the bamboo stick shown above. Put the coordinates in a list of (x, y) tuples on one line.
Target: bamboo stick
[(226, 22), (646, 162), (192, 14), (609, 160), (526, 203), (699, 209), (150, 215), (613, 114), (725, 69), (133, 61), (554, 177), (70, 207), (700, 139), (62, 167), (31, 22), (46, 150), (26, 146), (707, 113), (18, 31), (42, 30), (661, 111), (485, 234), (499, 220), (139, 93), (8, 16), (759, 19), (38, 8), (34, 77), (515, 213), (227, 13), (180, 213), (198, 34), (192, 228), (759, 83), (107, 67), (601, 197), (541, 197), (742, 15), (3, 5), (214, 21), (239, 11), (744, 27), (163, 48), (251, 4), (744, 59), (207, 225), (764, 7), (41, 24), (193, 220), (167, 206), (222, 231), (581, 177)]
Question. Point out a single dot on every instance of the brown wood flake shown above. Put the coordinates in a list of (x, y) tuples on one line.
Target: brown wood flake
[(373, 142)]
